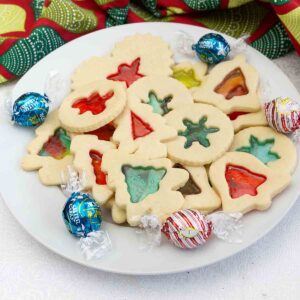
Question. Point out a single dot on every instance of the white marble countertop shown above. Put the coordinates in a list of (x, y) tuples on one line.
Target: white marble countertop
[(270, 269)]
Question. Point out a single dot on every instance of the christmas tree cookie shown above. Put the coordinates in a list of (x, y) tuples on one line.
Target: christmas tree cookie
[(231, 86), (88, 152), (190, 74), (244, 183), (204, 133), (92, 106), (272, 148), (138, 124), (197, 191), (131, 59), (144, 186), (49, 152), (163, 94)]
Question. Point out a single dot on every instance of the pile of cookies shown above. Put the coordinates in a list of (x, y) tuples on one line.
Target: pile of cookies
[(153, 137)]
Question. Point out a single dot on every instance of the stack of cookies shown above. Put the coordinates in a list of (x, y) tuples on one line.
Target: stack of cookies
[(152, 137)]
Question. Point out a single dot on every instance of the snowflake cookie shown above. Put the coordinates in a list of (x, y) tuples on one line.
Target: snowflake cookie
[(49, 152), (244, 183), (137, 125), (231, 86), (144, 186), (204, 133), (92, 106), (197, 191), (163, 94), (190, 74), (88, 152), (131, 59), (272, 148)]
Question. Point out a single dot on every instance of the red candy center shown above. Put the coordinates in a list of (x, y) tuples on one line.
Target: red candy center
[(95, 103), (139, 128), (104, 133), (127, 73), (235, 114), (241, 181), (96, 163)]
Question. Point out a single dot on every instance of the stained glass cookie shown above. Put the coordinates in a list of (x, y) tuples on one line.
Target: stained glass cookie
[(244, 183), (231, 86), (131, 59), (92, 106), (190, 74), (272, 148), (163, 94), (88, 152), (144, 186), (49, 152), (204, 133), (197, 191)]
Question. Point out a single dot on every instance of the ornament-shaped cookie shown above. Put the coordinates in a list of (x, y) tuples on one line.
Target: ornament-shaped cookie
[(88, 152), (49, 152), (197, 191), (244, 183), (163, 94), (272, 148), (131, 59), (231, 86), (190, 74), (241, 120), (137, 124), (204, 133), (92, 106), (144, 186)]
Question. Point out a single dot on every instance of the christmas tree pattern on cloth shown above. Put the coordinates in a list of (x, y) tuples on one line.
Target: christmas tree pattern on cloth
[(231, 86), (144, 186), (204, 133), (163, 94), (137, 125), (49, 152), (197, 191), (244, 183), (272, 148), (92, 106), (131, 59), (88, 154)]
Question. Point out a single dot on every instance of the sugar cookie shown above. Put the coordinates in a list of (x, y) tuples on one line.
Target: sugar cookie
[(204, 133), (244, 183)]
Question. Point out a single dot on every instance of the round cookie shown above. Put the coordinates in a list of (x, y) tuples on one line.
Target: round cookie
[(163, 94), (92, 106), (274, 149), (204, 133), (231, 86), (244, 183)]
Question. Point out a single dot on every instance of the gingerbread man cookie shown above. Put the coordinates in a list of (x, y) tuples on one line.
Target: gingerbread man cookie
[(197, 191), (49, 152), (204, 133), (272, 148), (144, 186), (190, 74), (131, 59), (138, 124), (163, 94), (88, 152), (244, 183), (92, 106), (231, 86)]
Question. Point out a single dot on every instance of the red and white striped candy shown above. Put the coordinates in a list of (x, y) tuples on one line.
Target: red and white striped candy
[(283, 114), (187, 228)]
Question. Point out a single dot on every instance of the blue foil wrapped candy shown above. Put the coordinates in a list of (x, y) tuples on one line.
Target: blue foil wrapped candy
[(211, 48), (30, 109), (82, 214)]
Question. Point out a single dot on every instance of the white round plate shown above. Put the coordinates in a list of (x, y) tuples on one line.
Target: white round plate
[(38, 208)]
